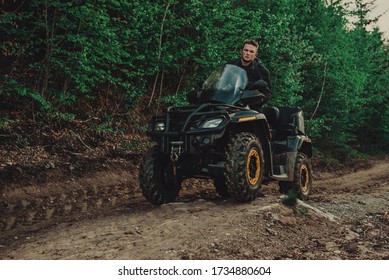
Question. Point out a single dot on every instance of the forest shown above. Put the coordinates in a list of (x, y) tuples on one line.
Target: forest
[(94, 72)]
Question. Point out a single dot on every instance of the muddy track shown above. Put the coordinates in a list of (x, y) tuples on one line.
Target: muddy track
[(100, 214)]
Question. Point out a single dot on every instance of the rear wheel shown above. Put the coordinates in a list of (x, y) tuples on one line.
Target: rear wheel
[(158, 182), (302, 180), (244, 166)]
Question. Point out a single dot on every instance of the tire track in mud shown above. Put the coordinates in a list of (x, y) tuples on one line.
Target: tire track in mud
[(32, 207)]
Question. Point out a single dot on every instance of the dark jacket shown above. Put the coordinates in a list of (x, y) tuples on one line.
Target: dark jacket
[(255, 71)]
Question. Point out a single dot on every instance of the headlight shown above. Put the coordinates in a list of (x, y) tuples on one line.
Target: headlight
[(159, 126), (212, 123)]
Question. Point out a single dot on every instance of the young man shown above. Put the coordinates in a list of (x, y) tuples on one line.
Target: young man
[(254, 69)]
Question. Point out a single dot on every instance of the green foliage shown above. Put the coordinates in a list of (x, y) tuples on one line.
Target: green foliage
[(65, 60), (108, 126), (175, 100), (6, 122)]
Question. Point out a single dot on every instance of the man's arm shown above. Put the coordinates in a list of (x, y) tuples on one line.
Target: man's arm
[(265, 74)]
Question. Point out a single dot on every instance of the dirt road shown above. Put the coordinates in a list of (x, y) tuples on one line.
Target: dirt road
[(100, 214)]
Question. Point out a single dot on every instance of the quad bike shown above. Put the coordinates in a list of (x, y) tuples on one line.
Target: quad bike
[(221, 138)]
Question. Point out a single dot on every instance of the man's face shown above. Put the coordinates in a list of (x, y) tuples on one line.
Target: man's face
[(249, 52)]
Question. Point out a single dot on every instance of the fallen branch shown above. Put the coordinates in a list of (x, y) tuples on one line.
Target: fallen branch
[(329, 216), (79, 138)]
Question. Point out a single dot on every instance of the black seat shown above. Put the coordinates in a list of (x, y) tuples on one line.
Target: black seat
[(284, 121), (289, 121)]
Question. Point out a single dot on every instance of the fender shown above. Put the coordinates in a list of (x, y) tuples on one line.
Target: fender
[(257, 124), (247, 115)]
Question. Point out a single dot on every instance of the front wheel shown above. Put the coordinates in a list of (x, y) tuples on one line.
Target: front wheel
[(158, 181), (244, 167)]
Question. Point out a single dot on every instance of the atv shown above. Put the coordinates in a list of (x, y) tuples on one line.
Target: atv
[(219, 137)]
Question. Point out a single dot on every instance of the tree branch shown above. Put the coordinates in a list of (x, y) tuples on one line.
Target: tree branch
[(159, 52), (322, 90)]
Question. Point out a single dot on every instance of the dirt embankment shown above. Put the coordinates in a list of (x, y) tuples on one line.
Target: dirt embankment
[(93, 209)]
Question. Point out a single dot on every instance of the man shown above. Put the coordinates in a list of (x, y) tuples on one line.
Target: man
[(254, 69)]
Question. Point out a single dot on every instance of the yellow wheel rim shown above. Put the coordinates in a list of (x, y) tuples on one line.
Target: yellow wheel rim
[(304, 179), (253, 167)]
